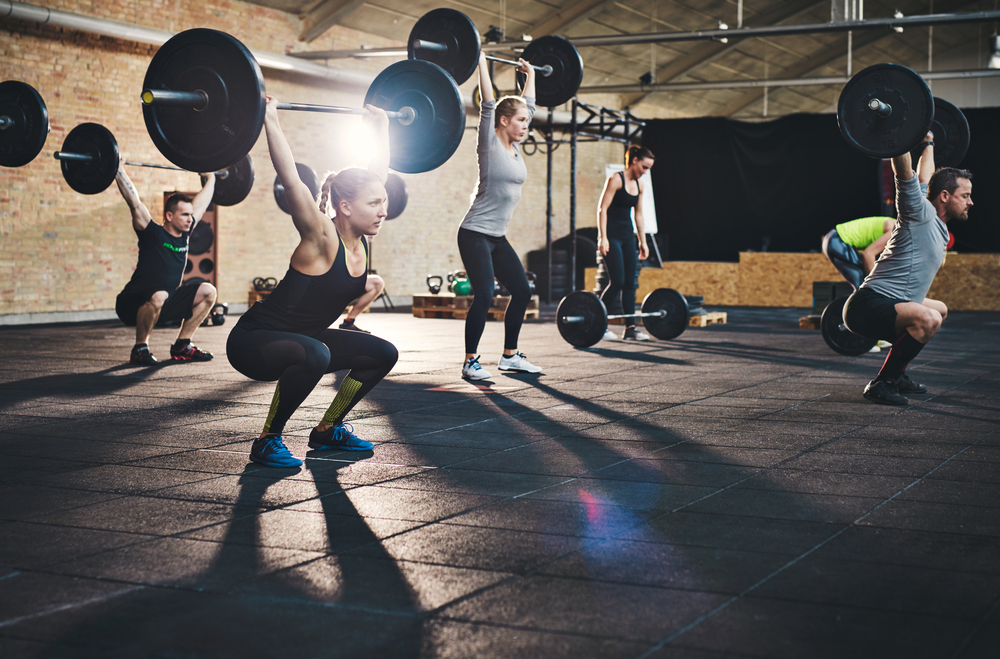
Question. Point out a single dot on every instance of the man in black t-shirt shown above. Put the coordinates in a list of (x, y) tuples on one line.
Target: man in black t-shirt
[(154, 292)]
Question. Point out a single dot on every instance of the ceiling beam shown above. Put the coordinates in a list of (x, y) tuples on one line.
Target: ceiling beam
[(326, 15), (826, 57), (566, 18), (706, 51)]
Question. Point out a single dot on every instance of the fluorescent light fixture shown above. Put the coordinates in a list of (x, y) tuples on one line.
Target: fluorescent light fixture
[(994, 62)]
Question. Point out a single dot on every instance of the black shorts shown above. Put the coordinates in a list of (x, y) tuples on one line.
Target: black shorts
[(178, 306), (872, 315)]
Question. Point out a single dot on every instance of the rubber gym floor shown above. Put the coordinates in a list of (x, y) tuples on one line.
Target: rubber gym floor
[(725, 494)]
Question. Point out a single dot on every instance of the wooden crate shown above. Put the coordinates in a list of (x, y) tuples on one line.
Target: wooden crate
[(256, 296), (449, 305), (711, 318)]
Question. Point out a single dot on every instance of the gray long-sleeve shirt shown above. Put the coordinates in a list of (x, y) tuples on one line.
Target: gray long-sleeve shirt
[(907, 266), (501, 176)]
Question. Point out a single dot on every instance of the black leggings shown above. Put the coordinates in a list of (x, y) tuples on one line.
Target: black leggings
[(298, 362), (486, 257), (620, 263), (844, 258)]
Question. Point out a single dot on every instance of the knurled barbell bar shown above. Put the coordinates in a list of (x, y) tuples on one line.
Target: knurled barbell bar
[(90, 158), (204, 103), (449, 38), (582, 318)]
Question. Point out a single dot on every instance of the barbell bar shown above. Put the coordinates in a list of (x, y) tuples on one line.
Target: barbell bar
[(204, 101), (421, 44), (199, 100), (86, 157), (654, 314)]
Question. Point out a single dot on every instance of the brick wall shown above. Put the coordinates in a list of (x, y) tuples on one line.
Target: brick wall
[(62, 251)]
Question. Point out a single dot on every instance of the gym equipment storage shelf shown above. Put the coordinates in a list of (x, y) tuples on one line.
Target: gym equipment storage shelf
[(449, 305)]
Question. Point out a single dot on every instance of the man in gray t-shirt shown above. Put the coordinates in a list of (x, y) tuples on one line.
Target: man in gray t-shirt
[(892, 303)]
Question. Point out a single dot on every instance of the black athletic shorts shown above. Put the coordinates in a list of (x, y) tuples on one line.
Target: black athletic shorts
[(872, 315), (178, 306)]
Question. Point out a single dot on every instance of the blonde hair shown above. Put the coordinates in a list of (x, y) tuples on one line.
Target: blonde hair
[(507, 107), (345, 185)]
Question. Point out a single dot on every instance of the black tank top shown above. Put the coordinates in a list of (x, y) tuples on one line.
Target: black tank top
[(620, 210), (307, 304)]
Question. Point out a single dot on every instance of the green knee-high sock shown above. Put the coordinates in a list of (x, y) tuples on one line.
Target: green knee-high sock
[(343, 401), (273, 410)]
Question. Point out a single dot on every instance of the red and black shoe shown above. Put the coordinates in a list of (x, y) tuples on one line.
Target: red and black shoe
[(189, 353), (142, 356)]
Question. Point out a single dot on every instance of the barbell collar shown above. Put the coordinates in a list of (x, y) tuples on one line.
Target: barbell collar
[(573, 319), (881, 109), (544, 70), (77, 157), (197, 100), (6, 122), (421, 44)]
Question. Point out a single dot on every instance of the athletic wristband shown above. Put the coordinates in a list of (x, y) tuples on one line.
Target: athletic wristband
[(927, 144)]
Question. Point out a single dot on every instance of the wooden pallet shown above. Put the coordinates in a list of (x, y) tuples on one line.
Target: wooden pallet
[(449, 305), (711, 318), (441, 312)]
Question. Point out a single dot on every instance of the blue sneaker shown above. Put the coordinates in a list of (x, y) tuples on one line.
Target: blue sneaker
[(272, 452), (339, 437)]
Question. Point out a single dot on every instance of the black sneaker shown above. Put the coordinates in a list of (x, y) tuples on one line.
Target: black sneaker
[(189, 353), (142, 356), (349, 325), (884, 392), (905, 385)]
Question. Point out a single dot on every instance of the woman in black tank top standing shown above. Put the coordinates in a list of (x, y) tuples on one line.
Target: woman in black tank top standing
[(616, 238), (286, 336)]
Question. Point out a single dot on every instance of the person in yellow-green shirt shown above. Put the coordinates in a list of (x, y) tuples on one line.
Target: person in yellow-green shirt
[(852, 247)]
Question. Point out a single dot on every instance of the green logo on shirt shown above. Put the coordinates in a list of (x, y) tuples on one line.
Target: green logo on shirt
[(174, 248)]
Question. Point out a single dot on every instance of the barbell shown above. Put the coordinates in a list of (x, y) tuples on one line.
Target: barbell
[(24, 123), (204, 102), (449, 38), (90, 157), (395, 190), (886, 110), (582, 318)]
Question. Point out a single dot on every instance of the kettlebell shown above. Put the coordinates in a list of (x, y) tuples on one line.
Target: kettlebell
[(460, 284), (219, 312), (434, 283)]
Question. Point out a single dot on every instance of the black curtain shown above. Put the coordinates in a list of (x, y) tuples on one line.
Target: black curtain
[(723, 186)]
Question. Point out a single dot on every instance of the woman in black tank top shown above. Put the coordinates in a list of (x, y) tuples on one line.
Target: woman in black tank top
[(286, 337), (616, 238)]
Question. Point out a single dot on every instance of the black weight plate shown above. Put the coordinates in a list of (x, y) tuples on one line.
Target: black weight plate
[(595, 319), (306, 175), (201, 239), (235, 187), (28, 127), (912, 110), (430, 139), (567, 70), (675, 322), (97, 174), (456, 31), (220, 135), (395, 189), (836, 334), (951, 135)]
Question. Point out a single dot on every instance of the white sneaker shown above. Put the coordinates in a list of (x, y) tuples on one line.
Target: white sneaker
[(883, 344), (473, 371), (875, 348), (609, 336), (634, 334), (518, 362)]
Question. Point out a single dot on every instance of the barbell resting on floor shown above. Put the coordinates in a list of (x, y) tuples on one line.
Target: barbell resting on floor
[(582, 318), (204, 103)]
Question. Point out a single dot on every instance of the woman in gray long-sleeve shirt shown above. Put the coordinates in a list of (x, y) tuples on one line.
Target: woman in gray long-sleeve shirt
[(481, 238)]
